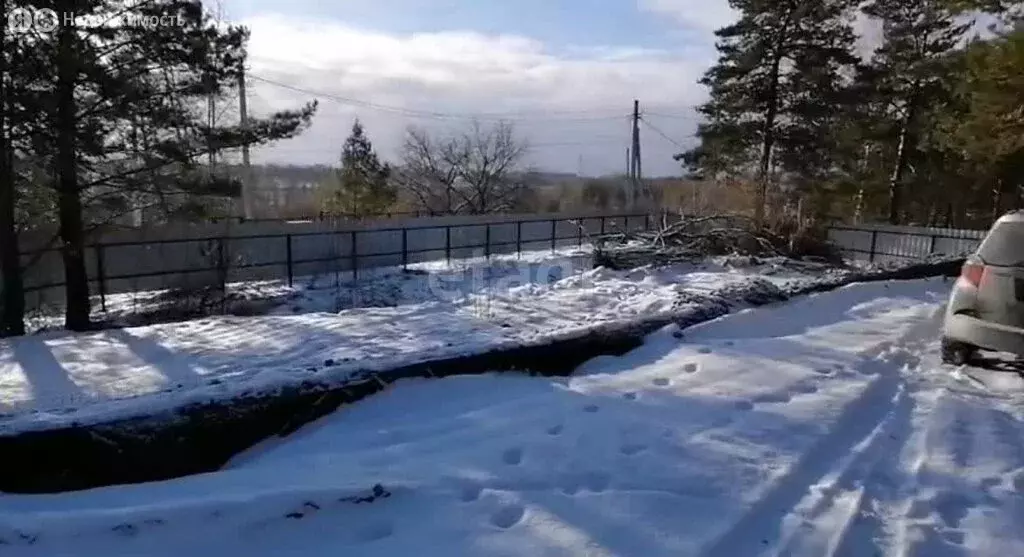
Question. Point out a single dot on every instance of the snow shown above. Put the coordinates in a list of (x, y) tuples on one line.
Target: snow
[(824, 426), (57, 378)]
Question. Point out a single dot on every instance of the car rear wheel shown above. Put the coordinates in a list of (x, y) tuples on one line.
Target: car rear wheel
[(957, 353)]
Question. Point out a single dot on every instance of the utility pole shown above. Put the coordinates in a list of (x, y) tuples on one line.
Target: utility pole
[(636, 171), (246, 164), (627, 186)]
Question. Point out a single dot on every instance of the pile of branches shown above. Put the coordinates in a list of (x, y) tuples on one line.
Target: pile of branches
[(693, 239)]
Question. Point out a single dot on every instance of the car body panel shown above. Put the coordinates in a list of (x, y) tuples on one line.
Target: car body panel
[(990, 315)]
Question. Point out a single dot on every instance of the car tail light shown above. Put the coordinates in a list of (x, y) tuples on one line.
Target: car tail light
[(972, 273)]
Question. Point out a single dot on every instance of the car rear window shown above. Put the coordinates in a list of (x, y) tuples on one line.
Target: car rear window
[(1004, 246)]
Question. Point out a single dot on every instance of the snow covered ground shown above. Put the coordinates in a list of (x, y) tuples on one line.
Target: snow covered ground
[(825, 426), (57, 378), (332, 292)]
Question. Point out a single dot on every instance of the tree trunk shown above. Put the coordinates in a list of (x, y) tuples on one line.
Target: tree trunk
[(902, 158), (768, 142), (997, 199), (12, 318), (933, 214), (69, 202)]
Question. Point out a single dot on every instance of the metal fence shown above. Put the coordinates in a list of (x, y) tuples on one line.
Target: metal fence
[(889, 244), (114, 266)]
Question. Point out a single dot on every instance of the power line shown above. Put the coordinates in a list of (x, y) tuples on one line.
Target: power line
[(529, 144), (693, 117), (661, 133), (435, 115)]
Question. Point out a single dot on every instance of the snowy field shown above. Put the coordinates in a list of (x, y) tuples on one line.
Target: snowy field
[(330, 334), (824, 426)]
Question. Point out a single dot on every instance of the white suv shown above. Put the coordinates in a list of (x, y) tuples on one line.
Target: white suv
[(986, 307)]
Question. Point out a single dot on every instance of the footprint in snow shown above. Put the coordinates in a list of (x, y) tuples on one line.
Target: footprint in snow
[(513, 456), (691, 368), (591, 408), (508, 516), (744, 405), (662, 382), (1018, 482), (470, 493), (722, 421), (805, 388), (953, 508), (596, 481), (556, 430), (375, 531), (630, 396), (704, 350), (954, 537), (991, 482), (773, 398), (570, 487), (631, 449)]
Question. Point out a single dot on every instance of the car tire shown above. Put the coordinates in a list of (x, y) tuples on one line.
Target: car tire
[(957, 353)]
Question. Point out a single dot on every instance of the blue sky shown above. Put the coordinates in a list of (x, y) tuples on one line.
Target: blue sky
[(568, 70), (555, 22)]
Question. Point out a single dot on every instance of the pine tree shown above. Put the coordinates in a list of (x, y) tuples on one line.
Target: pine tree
[(907, 72), (777, 73), (12, 306), (118, 82), (987, 133), (363, 187)]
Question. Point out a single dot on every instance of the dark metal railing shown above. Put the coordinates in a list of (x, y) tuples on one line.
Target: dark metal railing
[(102, 276)]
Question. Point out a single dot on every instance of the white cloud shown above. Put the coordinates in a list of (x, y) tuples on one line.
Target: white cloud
[(460, 72), (702, 15)]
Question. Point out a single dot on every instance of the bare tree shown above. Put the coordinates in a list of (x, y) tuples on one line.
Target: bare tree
[(429, 173), (476, 172)]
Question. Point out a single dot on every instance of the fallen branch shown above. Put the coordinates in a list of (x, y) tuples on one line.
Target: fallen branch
[(697, 238)]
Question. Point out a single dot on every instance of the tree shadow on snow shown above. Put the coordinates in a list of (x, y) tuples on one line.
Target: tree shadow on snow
[(50, 382)]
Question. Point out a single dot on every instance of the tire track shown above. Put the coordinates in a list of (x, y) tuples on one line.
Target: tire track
[(844, 502), (861, 422), (833, 479)]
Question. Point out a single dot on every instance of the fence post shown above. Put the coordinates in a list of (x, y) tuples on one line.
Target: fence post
[(931, 247), (288, 253), (874, 242), (519, 238), (647, 222), (554, 238), (602, 226), (487, 241), (222, 272), (222, 266), (101, 276), (579, 238), (448, 244), (354, 255), (405, 249)]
